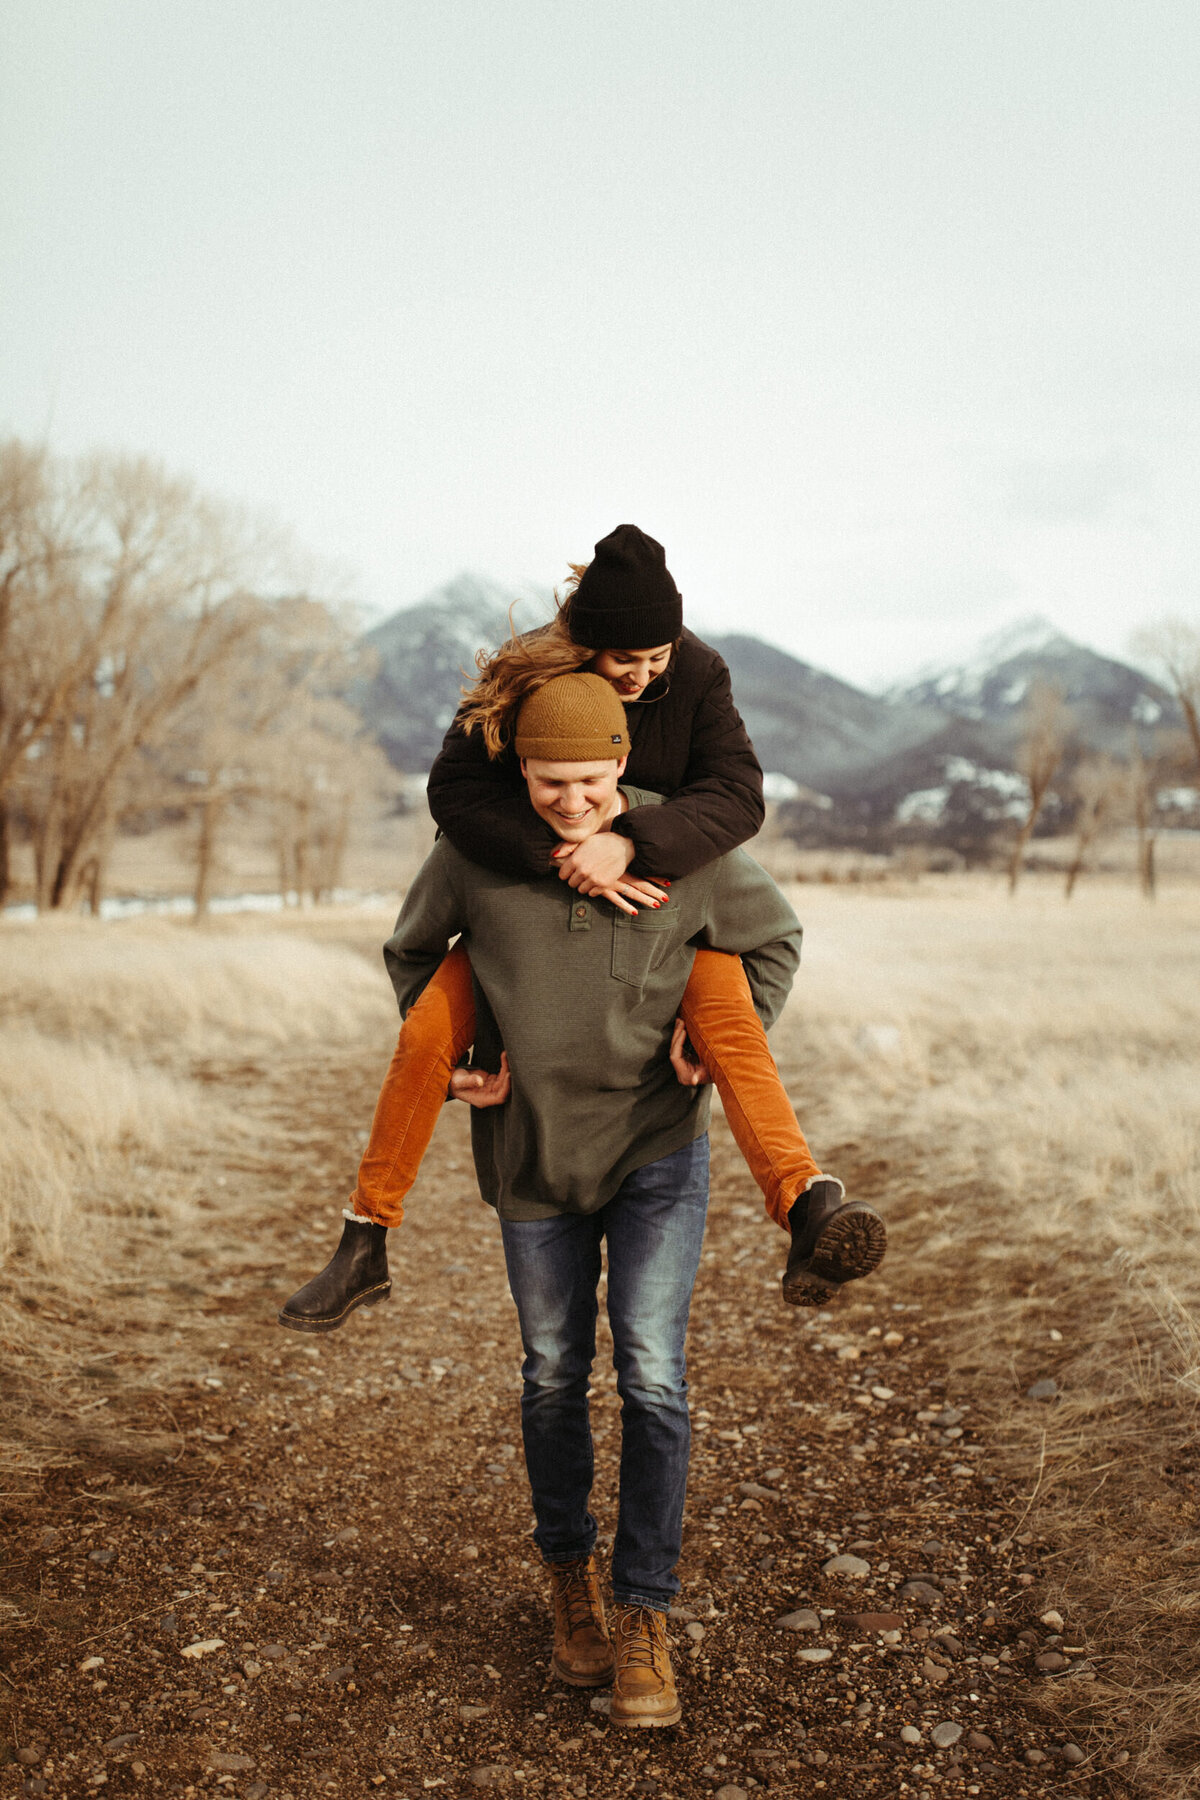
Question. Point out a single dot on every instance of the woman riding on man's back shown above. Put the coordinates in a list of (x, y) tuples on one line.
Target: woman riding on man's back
[(622, 619)]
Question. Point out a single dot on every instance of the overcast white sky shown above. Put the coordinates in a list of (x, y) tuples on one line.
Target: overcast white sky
[(880, 314)]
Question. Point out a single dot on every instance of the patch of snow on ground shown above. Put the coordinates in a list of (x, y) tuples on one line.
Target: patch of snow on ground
[(926, 806), (1011, 786)]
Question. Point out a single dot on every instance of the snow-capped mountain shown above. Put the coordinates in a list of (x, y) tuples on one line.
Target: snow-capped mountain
[(937, 756), (1108, 699), (427, 652), (959, 685), (822, 732)]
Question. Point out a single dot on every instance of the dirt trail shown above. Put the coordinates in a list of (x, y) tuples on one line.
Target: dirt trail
[(328, 1587)]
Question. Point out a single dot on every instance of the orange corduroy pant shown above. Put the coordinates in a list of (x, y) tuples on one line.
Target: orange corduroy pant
[(724, 1029)]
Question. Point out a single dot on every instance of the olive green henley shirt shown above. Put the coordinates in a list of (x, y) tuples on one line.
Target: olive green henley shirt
[(585, 998)]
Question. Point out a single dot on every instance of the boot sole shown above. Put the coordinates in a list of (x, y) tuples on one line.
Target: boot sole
[(369, 1297), (852, 1245), (574, 1679), (641, 1722)]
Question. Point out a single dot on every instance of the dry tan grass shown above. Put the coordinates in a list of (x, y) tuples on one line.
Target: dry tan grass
[(1042, 1056), (1027, 1074), (1017, 1081), (69, 1112), (105, 1127), (101, 1029), (172, 993)]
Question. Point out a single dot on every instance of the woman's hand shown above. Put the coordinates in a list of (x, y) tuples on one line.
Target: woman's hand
[(479, 1088), (598, 866), (689, 1070), (599, 862)]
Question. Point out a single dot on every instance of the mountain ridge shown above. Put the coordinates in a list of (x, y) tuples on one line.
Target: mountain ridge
[(951, 727), (1108, 699), (426, 653)]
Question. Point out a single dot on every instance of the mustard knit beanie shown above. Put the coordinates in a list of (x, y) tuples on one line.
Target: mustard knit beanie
[(573, 718)]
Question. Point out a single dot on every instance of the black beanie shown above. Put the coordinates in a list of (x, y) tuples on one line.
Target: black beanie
[(626, 599)]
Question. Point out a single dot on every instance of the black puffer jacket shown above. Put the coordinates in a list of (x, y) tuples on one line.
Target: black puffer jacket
[(689, 743)]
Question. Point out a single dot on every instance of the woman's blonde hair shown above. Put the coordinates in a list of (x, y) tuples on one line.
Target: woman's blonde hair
[(519, 666)]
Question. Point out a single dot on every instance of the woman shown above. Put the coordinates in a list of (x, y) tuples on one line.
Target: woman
[(622, 619)]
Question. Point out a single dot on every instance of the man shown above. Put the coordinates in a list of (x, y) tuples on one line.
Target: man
[(583, 1135)]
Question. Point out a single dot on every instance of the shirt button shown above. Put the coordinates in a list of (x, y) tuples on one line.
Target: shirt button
[(581, 912)]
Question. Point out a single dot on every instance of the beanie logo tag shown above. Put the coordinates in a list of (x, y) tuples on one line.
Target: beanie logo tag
[(616, 737)]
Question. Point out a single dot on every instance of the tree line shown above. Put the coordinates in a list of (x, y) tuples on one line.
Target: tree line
[(1098, 792), (1086, 795), (1053, 781), (162, 657)]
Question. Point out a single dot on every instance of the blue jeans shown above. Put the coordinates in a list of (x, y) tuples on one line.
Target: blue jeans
[(654, 1226)]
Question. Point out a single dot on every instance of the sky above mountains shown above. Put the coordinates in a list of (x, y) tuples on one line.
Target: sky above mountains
[(880, 316)]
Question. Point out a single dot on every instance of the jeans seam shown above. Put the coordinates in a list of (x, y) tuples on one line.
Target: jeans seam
[(623, 1598)]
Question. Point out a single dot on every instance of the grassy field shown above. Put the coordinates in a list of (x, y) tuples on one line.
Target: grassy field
[(103, 1029), (1020, 1080), (1015, 1083), (107, 1114)]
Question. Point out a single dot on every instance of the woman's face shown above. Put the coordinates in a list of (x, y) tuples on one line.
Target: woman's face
[(631, 671)]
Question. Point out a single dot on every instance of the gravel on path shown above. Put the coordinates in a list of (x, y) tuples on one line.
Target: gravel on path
[(328, 1587)]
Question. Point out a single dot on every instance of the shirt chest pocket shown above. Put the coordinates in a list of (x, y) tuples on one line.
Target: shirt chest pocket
[(640, 945)]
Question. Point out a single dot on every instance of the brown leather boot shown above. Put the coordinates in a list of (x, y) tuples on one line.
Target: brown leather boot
[(582, 1651), (644, 1685)]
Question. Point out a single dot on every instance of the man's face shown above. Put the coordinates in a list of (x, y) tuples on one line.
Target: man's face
[(576, 799)]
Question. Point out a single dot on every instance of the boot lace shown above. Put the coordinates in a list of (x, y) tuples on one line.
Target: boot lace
[(578, 1594), (640, 1629)]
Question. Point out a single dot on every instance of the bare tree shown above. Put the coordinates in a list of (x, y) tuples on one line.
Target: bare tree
[(271, 730), (1045, 735), (1144, 777), (324, 771), (50, 627), (1101, 787), (1151, 774), (1175, 645), (125, 708), (122, 591)]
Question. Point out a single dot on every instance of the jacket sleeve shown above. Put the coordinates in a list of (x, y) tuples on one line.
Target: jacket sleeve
[(483, 807), (747, 915), (719, 804), (431, 917)]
